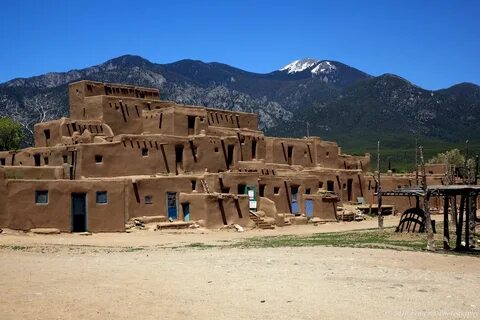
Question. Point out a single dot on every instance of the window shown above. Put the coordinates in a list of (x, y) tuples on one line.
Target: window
[(2, 161), (45, 159), (144, 152), (327, 154), (36, 159), (216, 149), (254, 148), (98, 158), (65, 159), (262, 190), (320, 184), (148, 199), (101, 197), (194, 184), (241, 188), (330, 185), (47, 133), (41, 197), (276, 190), (307, 191)]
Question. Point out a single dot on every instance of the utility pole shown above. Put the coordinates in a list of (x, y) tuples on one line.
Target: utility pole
[(426, 205), (416, 162), (308, 129), (379, 190)]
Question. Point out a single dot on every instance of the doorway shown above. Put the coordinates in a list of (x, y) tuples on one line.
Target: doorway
[(294, 190), (309, 208), (349, 189), (172, 212), (79, 212), (186, 211)]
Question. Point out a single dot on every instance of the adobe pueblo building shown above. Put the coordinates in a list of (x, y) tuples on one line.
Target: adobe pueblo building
[(125, 154)]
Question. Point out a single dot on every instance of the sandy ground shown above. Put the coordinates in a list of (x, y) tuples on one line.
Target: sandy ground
[(101, 277)]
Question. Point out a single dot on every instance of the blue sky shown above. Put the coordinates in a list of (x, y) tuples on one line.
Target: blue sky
[(434, 44)]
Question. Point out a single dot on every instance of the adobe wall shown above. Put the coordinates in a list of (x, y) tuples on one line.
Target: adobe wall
[(60, 132), (401, 203), (290, 151), (218, 210), (231, 119), (57, 212), (4, 217), (148, 196), (327, 154), (349, 162), (229, 182), (29, 172), (324, 207), (80, 90), (6, 158), (51, 156), (139, 155)]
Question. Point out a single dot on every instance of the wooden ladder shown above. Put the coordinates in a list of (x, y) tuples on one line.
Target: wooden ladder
[(205, 186)]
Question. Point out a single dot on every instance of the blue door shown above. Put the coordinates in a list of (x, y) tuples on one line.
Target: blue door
[(294, 200), (309, 208), (186, 211), (172, 205)]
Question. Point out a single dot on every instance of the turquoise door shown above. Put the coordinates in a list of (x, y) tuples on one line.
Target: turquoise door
[(172, 205), (309, 208), (295, 209)]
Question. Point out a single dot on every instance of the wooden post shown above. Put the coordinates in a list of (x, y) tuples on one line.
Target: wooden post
[(446, 232), (426, 206), (379, 190), (460, 223), (468, 222)]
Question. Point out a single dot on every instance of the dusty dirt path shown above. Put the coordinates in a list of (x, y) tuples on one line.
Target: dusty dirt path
[(168, 238), (107, 276), (281, 283)]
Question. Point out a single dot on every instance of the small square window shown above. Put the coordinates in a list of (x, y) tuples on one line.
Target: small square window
[(98, 158), (276, 190), (41, 197), (101, 197), (148, 199), (216, 149), (307, 191), (144, 152)]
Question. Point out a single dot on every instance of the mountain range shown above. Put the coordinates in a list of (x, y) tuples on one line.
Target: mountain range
[(325, 98)]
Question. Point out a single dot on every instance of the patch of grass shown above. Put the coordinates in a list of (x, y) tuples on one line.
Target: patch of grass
[(132, 249), (14, 247), (199, 245), (356, 239)]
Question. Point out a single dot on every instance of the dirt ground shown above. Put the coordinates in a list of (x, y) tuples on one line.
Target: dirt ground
[(145, 275)]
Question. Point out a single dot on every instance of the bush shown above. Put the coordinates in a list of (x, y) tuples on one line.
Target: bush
[(11, 134)]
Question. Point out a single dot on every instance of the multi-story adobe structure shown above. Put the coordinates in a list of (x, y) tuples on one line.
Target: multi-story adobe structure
[(124, 153)]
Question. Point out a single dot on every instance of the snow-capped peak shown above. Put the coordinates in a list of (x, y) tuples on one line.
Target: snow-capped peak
[(323, 67), (299, 65)]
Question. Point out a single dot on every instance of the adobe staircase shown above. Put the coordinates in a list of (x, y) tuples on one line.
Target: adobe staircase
[(260, 222)]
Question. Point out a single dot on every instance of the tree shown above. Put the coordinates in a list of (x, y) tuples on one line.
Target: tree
[(450, 157), (11, 134)]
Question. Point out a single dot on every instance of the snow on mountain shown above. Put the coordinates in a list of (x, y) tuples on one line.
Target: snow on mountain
[(299, 65), (316, 66), (323, 67)]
